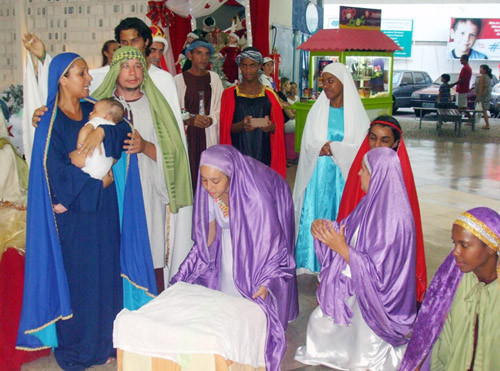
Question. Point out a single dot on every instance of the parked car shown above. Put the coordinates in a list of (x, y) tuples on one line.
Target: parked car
[(404, 83), (426, 98)]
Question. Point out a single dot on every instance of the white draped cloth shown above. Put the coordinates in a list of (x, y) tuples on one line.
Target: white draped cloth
[(192, 319), (195, 8), (356, 124), (34, 96)]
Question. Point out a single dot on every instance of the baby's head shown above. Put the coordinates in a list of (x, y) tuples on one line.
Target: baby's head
[(445, 78), (109, 109)]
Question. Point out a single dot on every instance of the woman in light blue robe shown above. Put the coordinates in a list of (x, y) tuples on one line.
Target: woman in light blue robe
[(335, 127)]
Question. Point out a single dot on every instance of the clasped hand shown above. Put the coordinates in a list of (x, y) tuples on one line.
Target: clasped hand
[(200, 121), (326, 150), (324, 231)]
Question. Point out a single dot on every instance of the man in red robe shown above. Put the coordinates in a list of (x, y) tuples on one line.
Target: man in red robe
[(252, 118)]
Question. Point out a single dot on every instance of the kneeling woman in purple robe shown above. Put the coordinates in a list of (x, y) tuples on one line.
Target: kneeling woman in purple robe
[(243, 233), (367, 298)]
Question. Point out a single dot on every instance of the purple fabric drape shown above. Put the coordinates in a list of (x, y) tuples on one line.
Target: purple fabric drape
[(262, 230), (433, 313), (382, 262)]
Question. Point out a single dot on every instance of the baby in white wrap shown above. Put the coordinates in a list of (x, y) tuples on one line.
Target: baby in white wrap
[(107, 111)]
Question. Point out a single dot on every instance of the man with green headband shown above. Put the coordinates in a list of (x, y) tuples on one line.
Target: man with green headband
[(162, 156)]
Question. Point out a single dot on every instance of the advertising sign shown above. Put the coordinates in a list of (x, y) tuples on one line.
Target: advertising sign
[(401, 32), (479, 38), (359, 18)]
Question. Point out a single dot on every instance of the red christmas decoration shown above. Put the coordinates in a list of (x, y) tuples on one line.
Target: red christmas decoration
[(159, 13)]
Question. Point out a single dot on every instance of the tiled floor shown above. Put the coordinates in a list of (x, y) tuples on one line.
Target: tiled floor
[(450, 179)]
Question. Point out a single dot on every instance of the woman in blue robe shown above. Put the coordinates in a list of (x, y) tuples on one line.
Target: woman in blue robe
[(73, 231), (333, 132)]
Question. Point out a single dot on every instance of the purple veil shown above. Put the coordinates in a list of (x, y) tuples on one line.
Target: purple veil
[(484, 223), (382, 263), (262, 229)]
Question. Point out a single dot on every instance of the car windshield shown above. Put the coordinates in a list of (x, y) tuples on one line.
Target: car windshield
[(453, 78), (396, 76)]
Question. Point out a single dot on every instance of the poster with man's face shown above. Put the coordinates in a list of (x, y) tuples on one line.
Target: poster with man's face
[(479, 38)]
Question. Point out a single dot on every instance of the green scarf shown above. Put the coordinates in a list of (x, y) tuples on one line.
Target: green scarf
[(174, 156)]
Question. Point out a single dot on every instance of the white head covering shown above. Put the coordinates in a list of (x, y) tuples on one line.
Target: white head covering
[(356, 124)]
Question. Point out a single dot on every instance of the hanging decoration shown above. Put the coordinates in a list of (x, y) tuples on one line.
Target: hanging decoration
[(159, 13)]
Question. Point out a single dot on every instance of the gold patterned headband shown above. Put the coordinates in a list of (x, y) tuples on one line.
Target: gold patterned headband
[(479, 229)]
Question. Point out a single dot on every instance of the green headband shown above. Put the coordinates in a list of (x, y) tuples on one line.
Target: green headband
[(125, 53)]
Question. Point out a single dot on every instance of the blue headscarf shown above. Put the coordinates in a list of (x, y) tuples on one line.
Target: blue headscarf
[(199, 44), (46, 294)]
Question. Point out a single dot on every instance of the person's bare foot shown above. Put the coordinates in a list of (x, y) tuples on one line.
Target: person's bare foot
[(110, 360), (485, 127)]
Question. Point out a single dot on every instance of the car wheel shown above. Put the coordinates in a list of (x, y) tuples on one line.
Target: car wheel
[(419, 112), (394, 106)]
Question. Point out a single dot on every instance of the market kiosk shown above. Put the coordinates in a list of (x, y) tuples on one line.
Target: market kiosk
[(369, 56)]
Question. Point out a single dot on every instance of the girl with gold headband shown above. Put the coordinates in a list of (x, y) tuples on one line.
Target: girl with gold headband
[(459, 322)]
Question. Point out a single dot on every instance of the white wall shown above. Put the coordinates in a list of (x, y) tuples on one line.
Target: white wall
[(431, 24), (280, 12)]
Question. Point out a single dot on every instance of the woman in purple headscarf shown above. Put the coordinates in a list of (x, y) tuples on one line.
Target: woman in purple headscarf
[(243, 229), (459, 321), (367, 280)]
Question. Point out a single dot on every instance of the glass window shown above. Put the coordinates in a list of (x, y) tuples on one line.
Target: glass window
[(64, 48), (116, 8), (370, 75), (100, 22), (28, 11), (419, 78), (65, 36), (132, 8), (43, 11), (65, 23), (93, 35), (407, 79), (318, 64), (50, 35), (56, 36), (71, 10), (80, 9)]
